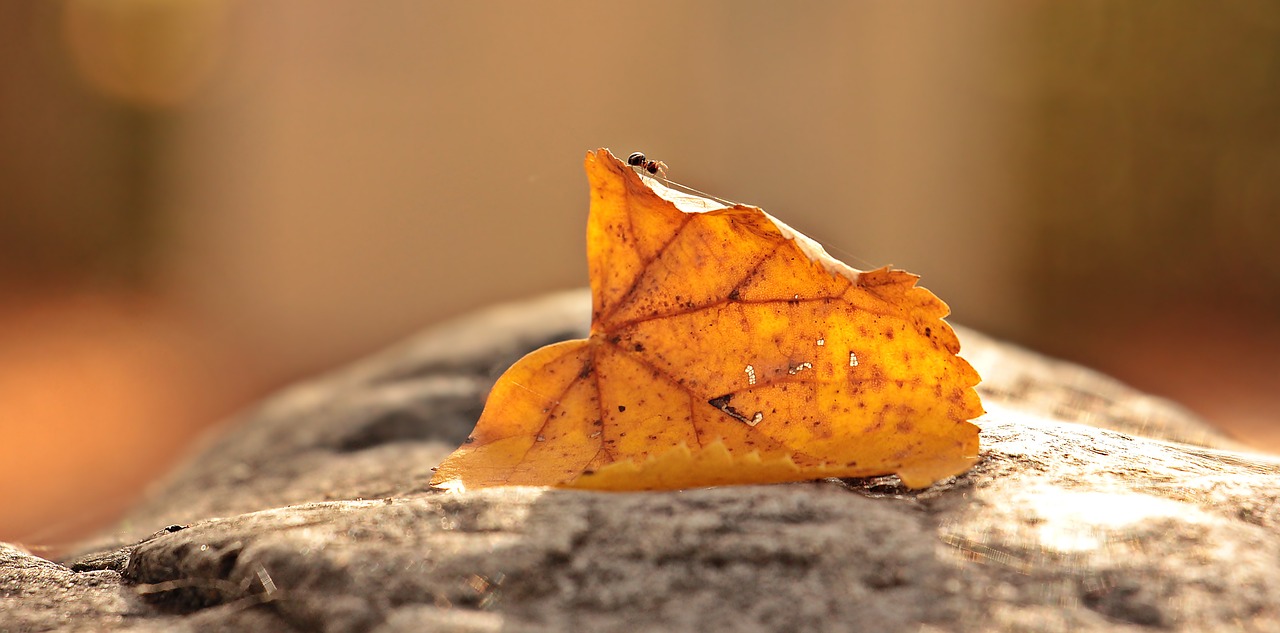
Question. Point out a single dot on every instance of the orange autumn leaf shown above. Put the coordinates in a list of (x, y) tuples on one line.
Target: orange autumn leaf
[(725, 348)]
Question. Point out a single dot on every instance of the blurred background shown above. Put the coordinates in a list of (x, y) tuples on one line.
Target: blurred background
[(203, 200)]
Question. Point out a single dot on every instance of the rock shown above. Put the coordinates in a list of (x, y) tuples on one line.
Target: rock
[(1093, 508)]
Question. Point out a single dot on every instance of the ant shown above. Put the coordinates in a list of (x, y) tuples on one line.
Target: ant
[(654, 167)]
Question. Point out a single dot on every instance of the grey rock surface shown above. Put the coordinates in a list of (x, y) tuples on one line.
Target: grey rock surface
[(1094, 508)]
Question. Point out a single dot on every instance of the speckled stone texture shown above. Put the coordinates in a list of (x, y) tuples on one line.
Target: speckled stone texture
[(1094, 508)]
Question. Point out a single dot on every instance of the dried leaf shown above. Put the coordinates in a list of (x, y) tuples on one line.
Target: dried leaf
[(725, 348)]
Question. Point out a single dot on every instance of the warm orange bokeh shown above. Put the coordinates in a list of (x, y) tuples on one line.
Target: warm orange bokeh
[(98, 395), (149, 53)]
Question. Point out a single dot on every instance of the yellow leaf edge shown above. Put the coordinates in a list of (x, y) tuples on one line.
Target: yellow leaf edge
[(713, 465)]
